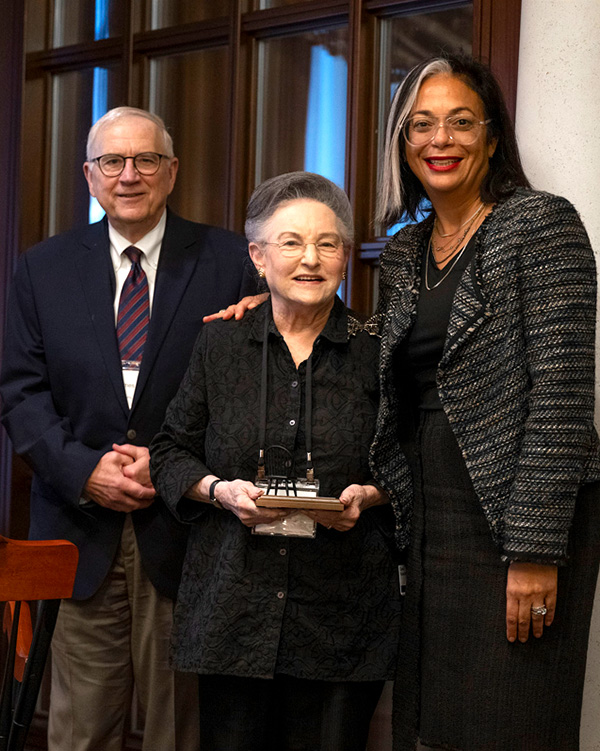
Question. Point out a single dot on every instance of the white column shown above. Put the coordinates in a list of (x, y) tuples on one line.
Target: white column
[(558, 128)]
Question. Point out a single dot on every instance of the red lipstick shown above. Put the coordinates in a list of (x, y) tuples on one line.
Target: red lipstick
[(443, 164)]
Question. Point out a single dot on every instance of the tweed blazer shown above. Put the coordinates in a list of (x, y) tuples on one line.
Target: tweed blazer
[(516, 378)]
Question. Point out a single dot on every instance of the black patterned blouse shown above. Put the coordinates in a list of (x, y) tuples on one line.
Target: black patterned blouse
[(325, 608)]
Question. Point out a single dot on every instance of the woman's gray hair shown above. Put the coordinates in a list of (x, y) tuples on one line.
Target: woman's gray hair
[(391, 201), (122, 112), (273, 193)]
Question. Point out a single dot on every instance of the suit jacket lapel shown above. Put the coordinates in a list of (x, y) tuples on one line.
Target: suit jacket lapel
[(402, 304), (98, 282), (470, 307), (178, 260)]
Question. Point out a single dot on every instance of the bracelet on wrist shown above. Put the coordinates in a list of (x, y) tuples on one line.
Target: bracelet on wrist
[(211, 493)]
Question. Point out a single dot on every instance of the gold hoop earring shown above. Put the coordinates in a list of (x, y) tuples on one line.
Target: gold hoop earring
[(344, 275), (261, 273)]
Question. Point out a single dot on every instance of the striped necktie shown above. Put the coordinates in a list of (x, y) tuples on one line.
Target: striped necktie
[(134, 310)]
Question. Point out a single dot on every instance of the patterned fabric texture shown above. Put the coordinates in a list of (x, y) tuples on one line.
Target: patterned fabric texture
[(516, 378), (325, 608)]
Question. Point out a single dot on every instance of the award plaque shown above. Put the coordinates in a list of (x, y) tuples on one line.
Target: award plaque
[(299, 493), (292, 493)]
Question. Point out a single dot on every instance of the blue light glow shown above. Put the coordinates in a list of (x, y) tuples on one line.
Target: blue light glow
[(101, 20), (100, 90), (325, 144)]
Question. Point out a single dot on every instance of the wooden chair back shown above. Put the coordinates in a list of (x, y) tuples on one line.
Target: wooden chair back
[(30, 570)]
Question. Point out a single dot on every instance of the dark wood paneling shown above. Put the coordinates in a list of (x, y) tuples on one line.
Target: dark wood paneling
[(237, 126), (292, 19), (11, 69), (84, 55), (386, 8), (496, 32), (188, 37), (361, 149)]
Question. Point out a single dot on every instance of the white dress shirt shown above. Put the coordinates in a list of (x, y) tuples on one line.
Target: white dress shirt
[(149, 245)]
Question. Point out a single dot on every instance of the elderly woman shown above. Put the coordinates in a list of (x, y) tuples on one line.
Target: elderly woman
[(292, 637), (485, 438)]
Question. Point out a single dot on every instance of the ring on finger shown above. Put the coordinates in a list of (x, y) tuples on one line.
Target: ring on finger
[(539, 610)]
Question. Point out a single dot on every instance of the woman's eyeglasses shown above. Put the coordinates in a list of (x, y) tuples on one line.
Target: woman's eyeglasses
[(294, 248), (463, 130)]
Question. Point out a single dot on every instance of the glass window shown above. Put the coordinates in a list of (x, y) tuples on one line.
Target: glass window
[(190, 93), (301, 121), (87, 20), (36, 25), (262, 4), (158, 14), (408, 39), (76, 104)]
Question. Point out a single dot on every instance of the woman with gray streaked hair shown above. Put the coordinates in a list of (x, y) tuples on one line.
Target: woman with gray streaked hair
[(292, 629), (485, 439)]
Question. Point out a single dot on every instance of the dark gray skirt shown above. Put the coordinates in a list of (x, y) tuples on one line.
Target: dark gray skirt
[(460, 684)]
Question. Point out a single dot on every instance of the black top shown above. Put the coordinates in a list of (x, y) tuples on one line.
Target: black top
[(425, 343), (324, 608)]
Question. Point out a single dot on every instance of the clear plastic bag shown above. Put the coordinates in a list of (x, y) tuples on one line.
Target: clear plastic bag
[(296, 524)]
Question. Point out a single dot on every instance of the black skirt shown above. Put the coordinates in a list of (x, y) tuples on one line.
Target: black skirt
[(460, 683)]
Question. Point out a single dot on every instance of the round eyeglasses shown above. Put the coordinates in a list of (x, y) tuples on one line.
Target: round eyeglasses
[(147, 163), (461, 129), (294, 248)]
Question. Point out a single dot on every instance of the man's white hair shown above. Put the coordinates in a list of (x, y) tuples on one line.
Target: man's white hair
[(124, 112)]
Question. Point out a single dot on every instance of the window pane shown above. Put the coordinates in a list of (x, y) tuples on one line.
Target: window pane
[(190, 93), (262, 4), (78, 98), (86, 20), (406, 40), (158, 14), (36, 24), (302, 104)]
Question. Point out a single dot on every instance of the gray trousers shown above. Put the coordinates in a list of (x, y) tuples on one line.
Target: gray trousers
[(106, 645)]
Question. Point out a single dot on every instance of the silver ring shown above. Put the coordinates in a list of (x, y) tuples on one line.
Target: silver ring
[(542, 610)]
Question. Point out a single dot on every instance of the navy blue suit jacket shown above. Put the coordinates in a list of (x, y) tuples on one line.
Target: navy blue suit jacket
[(64, 403)]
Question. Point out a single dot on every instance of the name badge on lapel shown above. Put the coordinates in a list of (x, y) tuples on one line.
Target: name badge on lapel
[(131, 371)]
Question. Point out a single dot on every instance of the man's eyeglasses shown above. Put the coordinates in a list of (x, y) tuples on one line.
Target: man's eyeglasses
[(462, 129), (294, 248), (111, 165)]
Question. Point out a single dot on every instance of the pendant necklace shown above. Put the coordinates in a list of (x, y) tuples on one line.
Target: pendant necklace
[(450, 267), (451, 249), (445, 253)]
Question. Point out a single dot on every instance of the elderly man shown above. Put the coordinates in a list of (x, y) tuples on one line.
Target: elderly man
[(101, 325)]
